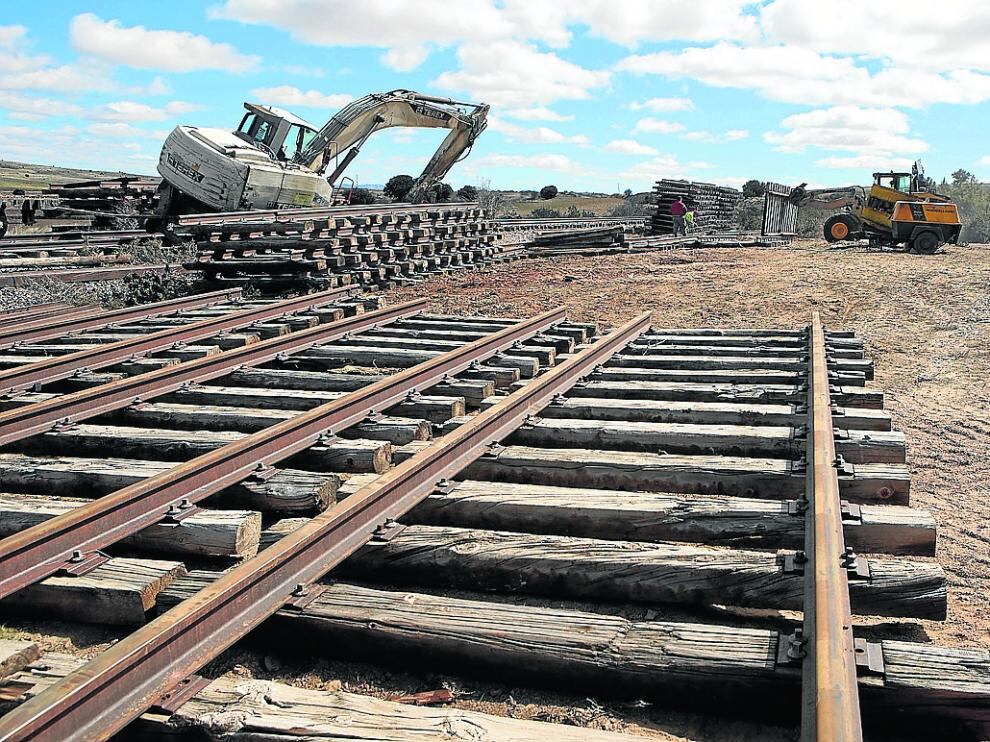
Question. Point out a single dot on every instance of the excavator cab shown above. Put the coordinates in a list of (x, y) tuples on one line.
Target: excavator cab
[(279, 132)]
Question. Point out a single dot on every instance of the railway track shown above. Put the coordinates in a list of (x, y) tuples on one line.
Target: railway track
[(651, 478)]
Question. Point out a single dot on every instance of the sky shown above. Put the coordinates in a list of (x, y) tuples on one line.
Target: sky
[(594, 95)]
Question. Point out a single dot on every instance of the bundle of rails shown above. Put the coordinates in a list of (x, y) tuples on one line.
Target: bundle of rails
[(356, 434), (545, 225), (713, 205), (370, 246)]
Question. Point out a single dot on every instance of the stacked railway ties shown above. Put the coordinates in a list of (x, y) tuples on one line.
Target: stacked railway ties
[(375, 247), (386, 484)]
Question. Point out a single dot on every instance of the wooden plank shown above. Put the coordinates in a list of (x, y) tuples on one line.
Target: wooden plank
[(430, 407), (241, 710), (209, 533), (286, 491), (162, 444), (682, 438), (16, 654), (660, 516), (600, 653), (702, 392), (702, 413), (636, 571), (396, 430), (722, 475), (118, 593), (719, 376), (784, 363)]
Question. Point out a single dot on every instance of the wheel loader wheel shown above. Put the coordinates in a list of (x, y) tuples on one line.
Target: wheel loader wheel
[(838, 227), (926, 243)]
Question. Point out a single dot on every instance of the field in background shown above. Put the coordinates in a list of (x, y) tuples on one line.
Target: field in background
[(601, 205)]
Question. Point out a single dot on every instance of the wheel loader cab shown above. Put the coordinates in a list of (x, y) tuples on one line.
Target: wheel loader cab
[(903, 182)]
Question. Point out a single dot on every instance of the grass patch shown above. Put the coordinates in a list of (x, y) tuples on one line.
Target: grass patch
[(600, 205)]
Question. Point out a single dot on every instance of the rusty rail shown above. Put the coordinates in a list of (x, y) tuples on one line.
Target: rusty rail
[(33, 314), (41, 550), (116, 687), (105, 354), (46, 328), (830, 711)]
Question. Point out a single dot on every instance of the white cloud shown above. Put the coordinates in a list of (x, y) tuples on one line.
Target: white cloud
[(867, 162), (128, 110), (137, 46), (406, 29), (68, 147), (629, 147), (514, 74), (535, 113), (657, 126), (560, 163), (27, 108), (663, 105), (11, 36), (120, 130), (538, 135), (951, 35), (732, 135), (795, 74), (287, 95), (985, 160), (876, 131), (663, 166)]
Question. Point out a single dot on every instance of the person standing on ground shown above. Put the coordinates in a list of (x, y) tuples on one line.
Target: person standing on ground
[(677, 210), (688, 222), (4, 221), (26, 214)]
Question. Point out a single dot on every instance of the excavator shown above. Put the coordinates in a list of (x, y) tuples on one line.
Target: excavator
[(898, 209), (277, 160)]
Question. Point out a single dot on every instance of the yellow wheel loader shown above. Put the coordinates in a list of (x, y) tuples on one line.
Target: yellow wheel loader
[(897, 210)]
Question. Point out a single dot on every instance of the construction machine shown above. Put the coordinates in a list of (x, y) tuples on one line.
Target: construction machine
[(277, 160), (899, 208)]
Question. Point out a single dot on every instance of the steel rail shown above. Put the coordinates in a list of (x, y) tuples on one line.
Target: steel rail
[(31, 419), (100, 355), (116, 687), (78, 275), (40, 551), (43, 329), (830, 709), (63, 311)]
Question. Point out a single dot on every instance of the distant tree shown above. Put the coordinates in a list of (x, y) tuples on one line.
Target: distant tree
[(467, 193), (548, 192), (962, 176), (627, 193), (753, 188), (362, 196), (442, 192), (490, 200), (398, 187)]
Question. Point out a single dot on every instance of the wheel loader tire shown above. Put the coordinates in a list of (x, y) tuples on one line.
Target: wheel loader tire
[(926, 242), (841, 227)]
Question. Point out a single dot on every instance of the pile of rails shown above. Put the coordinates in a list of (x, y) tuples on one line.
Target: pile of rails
[(570, 223), (70, 256), (603, 239), (125, 195), (648, 466), (713, 205), (373, 246)]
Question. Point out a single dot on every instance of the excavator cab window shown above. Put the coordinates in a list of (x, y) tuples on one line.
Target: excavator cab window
[(296, 140), (254, 128)]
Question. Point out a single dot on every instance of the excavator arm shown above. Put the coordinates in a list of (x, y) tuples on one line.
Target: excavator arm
[(350, 128)]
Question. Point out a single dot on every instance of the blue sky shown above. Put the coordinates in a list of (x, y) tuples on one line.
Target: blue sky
[(587, 94)]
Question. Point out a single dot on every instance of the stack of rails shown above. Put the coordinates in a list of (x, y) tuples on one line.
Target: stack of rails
[(124, 195), (546, 225), (713, 205), (373, 246), (533, 459), (593, 241)]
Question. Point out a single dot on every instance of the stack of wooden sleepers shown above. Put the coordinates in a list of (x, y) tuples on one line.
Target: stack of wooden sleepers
[(374, 246), (713, 205)]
